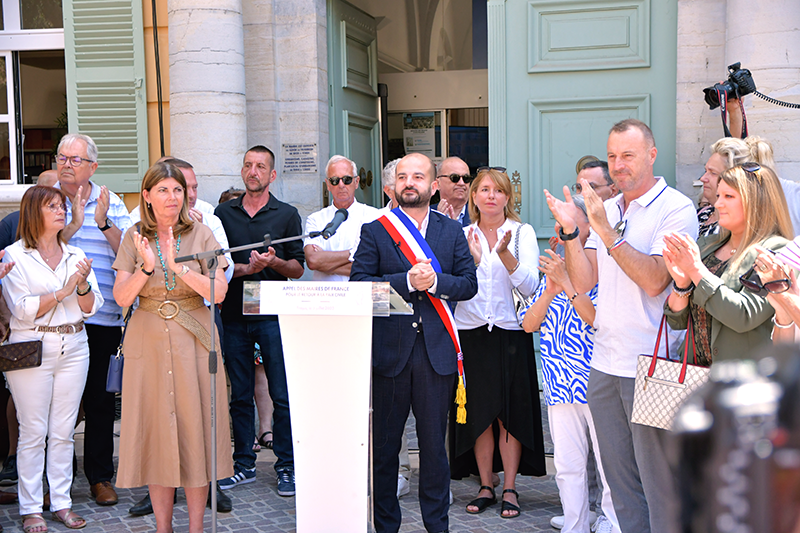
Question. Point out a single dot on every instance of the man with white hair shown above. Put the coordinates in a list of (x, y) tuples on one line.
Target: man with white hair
[(97, 221), (330, 258), (388, 177)]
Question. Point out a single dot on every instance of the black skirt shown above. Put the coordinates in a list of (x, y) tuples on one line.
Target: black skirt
[(502, 383)]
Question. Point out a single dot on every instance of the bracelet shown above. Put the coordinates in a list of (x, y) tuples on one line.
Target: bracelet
[(781, 326), (513, 269), (183, 272), (477, 265), (569, 236), (147, 272), (87, 291), (572, 298), (682, 292), (56, 297), (616, 244)]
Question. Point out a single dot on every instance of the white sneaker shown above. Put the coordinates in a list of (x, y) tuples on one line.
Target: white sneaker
[(557, 522), (403, 486), (602, 525)]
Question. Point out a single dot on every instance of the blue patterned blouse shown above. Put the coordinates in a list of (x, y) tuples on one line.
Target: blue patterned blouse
[(566, 343)]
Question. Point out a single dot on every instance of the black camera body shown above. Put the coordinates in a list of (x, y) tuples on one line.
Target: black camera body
[(739, 83)]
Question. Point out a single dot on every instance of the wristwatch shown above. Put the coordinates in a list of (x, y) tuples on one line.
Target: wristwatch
[(568, 237), (107, 226)]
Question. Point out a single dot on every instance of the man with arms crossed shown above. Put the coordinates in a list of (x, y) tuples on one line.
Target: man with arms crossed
[(330, 258), (413, 357), (623, 253)]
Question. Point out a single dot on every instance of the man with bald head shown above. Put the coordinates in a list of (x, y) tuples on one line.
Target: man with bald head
[(453, 179), (414, 359)]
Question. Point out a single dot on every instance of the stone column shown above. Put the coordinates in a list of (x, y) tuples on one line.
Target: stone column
[(763, 36), (207, 91)]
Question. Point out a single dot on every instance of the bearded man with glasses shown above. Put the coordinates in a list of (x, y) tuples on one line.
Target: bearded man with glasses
[(453, 178), (330, 258), (96, 221)]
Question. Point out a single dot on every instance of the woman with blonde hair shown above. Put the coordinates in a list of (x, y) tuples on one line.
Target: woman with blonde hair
[(725, 153), (165, 438), (728, 320), (504, 426)]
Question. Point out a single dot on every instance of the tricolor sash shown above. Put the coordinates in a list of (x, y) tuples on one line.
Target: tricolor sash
[(412, 245)]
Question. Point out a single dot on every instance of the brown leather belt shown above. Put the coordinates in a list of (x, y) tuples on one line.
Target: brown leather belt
[(64, 328), (177, 310)]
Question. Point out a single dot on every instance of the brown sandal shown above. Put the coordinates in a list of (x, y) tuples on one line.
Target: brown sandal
[(69, 518), (36, 523)]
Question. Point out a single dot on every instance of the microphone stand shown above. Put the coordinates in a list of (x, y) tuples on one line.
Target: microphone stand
[(211, 260)]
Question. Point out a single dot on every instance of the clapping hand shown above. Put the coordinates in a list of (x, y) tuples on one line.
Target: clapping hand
[(101, 211), (502, 243), (144, 251), (5, 268), (78, 278), (78, 208), (682, 257), (595, 210), (474, 242), (421, 276), (563, 210), (556, 270), (446, 209), (196, 215)]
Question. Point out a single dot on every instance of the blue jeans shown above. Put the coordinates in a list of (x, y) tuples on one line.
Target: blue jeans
[(239, 346)]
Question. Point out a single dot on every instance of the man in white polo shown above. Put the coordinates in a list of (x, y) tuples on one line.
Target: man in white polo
[(623, 256), (330, 259)]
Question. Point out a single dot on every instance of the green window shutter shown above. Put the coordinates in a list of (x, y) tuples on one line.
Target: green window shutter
[(104, 52)]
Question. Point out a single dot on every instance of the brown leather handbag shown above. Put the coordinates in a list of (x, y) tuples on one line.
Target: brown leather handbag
[(19, 355)]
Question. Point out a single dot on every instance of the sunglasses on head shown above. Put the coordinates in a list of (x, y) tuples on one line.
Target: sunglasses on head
[(455, 178), (752, 282), (498, 169), (751, 168), (346, 179)]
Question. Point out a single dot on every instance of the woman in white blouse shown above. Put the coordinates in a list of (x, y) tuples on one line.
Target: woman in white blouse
[(504, 426), (51, 290)]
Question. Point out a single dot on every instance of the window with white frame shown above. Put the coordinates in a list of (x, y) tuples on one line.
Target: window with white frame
[(32, 87)]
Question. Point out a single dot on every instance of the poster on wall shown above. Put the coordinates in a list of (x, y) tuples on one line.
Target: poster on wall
[(419, 133)]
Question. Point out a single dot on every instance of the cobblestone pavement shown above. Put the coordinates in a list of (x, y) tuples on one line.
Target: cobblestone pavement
[(258, 508)]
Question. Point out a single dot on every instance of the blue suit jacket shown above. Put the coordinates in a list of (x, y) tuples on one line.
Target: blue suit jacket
[(379, 259)]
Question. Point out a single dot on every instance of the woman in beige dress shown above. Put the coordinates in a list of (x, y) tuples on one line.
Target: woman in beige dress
[(165, 440)]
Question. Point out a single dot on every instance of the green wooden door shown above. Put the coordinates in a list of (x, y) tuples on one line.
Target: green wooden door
[(353, 91), (561, 73)]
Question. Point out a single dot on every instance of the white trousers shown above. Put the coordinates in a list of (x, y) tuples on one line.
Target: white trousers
[(569, 423), (47, 399)]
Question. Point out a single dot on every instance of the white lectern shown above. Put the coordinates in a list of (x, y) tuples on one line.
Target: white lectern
[(326, 330)]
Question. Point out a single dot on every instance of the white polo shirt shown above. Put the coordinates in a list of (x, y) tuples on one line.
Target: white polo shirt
[(345, 238), (627, 318)]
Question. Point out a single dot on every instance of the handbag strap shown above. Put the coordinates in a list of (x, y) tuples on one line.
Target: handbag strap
[(689, 340), (516, 242), (124, 330)]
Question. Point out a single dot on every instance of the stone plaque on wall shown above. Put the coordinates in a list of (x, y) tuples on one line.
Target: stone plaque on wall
[(300, 158)]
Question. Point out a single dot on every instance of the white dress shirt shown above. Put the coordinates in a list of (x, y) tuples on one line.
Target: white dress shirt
[(346, 237), (31, 279), (494, 304)]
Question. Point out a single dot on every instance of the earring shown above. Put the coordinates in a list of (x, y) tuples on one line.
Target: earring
[(148, 205)]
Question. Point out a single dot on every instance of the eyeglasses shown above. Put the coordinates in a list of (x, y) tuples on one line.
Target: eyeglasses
[(55, 208), (346, 179), (751, 168), (498, 169), (455, 178), (75, 160), (752, 282), (578, 188)]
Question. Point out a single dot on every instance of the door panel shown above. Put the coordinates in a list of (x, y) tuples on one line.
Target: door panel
[(354, 104), (564, 72)]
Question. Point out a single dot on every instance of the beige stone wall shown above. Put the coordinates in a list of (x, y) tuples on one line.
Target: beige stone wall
[(764, 37)]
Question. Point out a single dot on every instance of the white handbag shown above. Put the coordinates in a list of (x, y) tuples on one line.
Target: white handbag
[(663, 385)]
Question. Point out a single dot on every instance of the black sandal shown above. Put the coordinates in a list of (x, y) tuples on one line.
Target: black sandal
[(265, 443), (482, 503), (508, 506)]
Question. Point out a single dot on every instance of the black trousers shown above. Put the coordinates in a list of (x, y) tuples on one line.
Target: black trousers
[(430, 395), (98, 405)]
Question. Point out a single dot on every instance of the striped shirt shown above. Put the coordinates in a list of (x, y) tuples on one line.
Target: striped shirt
[(566, 343), (93, 242)]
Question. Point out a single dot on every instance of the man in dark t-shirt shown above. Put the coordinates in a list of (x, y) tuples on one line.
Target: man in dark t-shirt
[(246, 220)]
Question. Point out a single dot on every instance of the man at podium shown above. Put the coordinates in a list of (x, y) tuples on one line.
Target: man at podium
[(425, 257)]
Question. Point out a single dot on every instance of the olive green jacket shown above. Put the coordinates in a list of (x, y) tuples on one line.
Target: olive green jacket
[(740, 320)]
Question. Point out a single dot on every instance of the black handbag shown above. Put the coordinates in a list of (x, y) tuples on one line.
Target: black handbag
[(116, 361)]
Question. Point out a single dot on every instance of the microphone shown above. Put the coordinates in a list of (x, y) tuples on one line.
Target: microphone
[(333, 225)]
